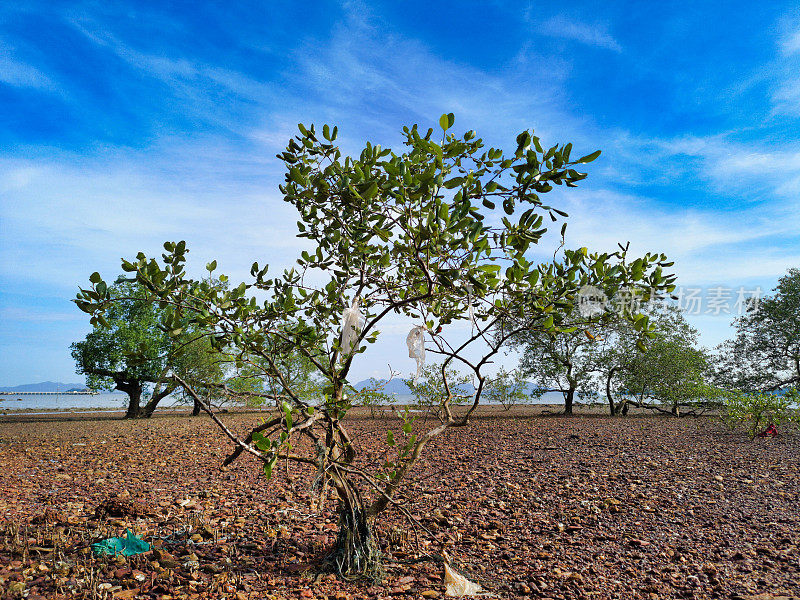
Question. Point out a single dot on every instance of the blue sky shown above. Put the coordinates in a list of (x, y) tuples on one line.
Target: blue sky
[(126, 124)]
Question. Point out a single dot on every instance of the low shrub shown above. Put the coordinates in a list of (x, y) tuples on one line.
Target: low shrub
[(757, 410)]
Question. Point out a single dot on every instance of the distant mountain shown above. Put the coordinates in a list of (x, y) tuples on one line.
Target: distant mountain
[(44, 386), (395, 386)]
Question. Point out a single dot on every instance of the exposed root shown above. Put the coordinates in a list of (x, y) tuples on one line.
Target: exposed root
[(356, 554)]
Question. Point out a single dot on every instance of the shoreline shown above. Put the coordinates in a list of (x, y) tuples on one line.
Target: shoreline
[(10, 415)]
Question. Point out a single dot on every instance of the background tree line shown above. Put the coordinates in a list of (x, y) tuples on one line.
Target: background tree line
[(672, 373)]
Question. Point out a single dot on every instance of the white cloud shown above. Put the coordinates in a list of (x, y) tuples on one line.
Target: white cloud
[(706, 248), (785, 96), (789, 41), (592, 35), (69, 218), (371, 81), (19, 74), (740, 173), (201, 87)]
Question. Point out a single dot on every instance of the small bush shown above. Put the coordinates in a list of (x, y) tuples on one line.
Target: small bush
[(755, 411), (507, 389)]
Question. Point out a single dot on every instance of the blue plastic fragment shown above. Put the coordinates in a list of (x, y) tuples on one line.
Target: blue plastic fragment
[(130, 545)]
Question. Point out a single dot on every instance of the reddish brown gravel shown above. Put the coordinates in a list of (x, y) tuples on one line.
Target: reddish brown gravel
[(531, 506)]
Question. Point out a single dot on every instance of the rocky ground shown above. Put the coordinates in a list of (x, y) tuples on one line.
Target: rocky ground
[(530, 506)]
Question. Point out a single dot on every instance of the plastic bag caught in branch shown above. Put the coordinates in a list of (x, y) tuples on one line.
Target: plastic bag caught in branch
[(416, 348), (352, 324), (470, 308)]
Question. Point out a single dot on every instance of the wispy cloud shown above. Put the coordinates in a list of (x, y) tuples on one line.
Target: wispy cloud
[(19, 74), (739, 173), (789, 41), (200, 87), (372, 80), (125, 207), (706, 249), (590, 34), (786, 90)]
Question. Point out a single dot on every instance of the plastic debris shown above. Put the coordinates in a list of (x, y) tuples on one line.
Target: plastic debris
[(456, 584), (130, 545), (352, 323), (470, 308), (770, 431), (416, 348)]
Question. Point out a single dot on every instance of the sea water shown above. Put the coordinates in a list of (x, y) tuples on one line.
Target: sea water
[(71, 402), (115, 401)]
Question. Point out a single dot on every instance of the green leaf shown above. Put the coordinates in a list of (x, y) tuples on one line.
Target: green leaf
[(211, 266), (589, 157), (370, 192), (95, 277), (261, 442), (454, 182), (287, 411), (390, 438), (446, 121), (489, 268)]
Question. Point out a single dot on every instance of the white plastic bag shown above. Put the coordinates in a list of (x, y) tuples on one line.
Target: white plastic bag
[(470, 309), (416, 347), (456, 584), (352, 324)]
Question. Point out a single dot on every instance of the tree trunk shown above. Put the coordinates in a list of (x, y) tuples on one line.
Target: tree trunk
[(356, 554), (196, 409), (612, 409), (625, 408), (158, 396), (134, 391), (568, 400)]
